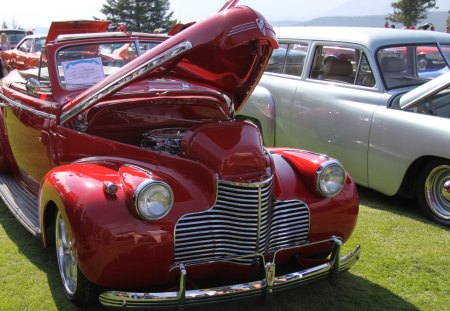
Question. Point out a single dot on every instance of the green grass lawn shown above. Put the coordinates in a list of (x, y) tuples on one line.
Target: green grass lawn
[(404, 265)]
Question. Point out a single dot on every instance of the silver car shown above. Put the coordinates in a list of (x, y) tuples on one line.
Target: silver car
[(338, 91)]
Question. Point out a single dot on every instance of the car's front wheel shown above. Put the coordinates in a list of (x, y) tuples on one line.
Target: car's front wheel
[(434, 191), (76, 287)]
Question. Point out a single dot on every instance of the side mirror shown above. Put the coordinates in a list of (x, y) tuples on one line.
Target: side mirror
[(33, 85)]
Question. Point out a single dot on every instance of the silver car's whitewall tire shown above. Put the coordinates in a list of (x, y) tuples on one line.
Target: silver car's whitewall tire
[(76, 287), (434, 192)]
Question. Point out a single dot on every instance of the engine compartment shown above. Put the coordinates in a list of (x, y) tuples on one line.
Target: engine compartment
[(200, 128), (167, 140)]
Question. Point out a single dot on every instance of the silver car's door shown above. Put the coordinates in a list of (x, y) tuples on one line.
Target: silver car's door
[(333, 107)]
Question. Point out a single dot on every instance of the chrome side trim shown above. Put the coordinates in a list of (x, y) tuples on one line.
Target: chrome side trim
[(266, 286), (27, 108), (243, 27), (257, 24), (130, 76), (138, 168)]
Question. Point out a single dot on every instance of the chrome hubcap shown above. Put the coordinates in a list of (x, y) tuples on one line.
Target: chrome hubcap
[(437, 191), (66, 259), (446, 190)]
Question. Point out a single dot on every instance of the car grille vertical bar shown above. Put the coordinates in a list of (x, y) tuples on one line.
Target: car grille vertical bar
[(244, 221)]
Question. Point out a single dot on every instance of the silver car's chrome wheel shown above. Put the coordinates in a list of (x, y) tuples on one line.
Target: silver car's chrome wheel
[(66, 260), (437, 191)]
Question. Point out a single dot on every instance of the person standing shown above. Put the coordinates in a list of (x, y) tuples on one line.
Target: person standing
[(4, 45), (4, 42)]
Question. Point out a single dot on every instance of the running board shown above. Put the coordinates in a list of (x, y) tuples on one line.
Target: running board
[(21, 203)]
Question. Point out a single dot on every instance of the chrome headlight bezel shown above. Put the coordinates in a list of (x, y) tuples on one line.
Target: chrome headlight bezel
[(151, 188), (330, 178)]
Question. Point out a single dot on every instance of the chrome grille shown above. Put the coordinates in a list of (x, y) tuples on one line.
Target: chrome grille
[(243, 222)]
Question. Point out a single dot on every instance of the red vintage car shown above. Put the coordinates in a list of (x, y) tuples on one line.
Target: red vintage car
[(149, 187), (25, 55)]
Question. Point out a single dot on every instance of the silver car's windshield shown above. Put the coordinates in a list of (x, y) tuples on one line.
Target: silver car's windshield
[(411, 65)]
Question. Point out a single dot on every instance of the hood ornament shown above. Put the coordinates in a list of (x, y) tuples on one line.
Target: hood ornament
[(261, 26)]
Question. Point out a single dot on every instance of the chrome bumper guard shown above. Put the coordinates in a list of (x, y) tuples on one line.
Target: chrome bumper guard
[(265, 287)]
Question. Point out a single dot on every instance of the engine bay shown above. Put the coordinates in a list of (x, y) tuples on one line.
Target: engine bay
[(167, 140)]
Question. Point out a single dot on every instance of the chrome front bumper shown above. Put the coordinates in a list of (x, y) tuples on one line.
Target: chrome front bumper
[(266, 286)]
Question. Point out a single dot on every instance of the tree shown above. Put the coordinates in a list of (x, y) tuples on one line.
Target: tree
[(4, 25), (411, 12), (139, 15)]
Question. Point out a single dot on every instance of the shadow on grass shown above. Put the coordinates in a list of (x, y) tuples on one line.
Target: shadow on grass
[(352, 292), (392, 204)]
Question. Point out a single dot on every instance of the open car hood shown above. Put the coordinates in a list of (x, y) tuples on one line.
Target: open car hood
[(227, 52), (417, 94), (72, 27)]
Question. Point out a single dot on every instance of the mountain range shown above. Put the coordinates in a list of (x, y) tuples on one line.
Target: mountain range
[(364, 13), (438, 19), (371, 7)]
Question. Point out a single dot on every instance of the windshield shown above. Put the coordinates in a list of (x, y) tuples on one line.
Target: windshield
[(81, 66), (411, 65)]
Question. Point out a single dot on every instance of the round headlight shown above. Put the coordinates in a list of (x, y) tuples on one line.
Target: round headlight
[(330, 178), (153, 200)]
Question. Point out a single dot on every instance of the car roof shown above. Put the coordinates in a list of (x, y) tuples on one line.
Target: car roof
[(372, 38), (13, 30), (102, 35)]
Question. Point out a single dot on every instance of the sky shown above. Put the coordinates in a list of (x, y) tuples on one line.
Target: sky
[(32, 14)]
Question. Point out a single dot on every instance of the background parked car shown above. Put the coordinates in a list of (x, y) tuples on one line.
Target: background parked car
[(340, 103), (14, 35), (25, 55)]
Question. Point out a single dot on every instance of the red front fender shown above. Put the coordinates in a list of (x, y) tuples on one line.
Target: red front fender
[(330, 216), (105, 232)]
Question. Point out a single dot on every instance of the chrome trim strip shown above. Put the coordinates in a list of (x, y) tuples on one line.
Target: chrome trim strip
[(248, 185), (266, 286), (138, 168), (130, 76), (258, 222), (27, 108), (243, 27)]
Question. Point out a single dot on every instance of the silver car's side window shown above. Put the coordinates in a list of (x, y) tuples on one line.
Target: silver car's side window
[(288, 59), (278, 59), (334, 63), (364, 76), (341, 64), (411, 65)]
